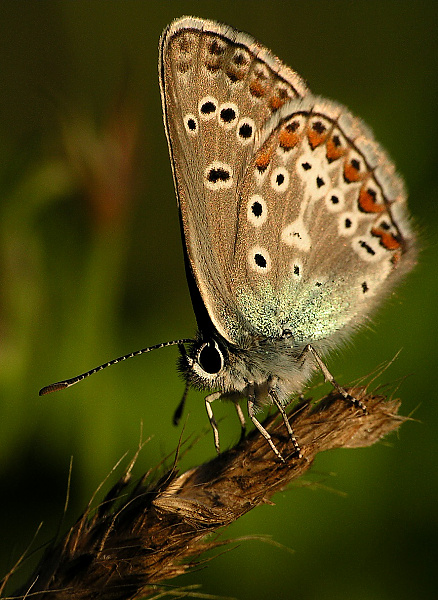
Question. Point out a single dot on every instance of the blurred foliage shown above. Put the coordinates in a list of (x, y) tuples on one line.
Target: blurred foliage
[(91, 267)]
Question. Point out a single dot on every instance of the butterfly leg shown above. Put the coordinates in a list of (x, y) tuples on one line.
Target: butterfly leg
[(241, 419), (262, 430), (208, 400), (293, 439), (329, 377)]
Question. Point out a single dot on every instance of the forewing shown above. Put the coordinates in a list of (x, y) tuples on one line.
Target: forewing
[(322, 228), (218, 87)]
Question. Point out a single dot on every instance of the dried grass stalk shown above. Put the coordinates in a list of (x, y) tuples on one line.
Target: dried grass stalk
[(130, 544)]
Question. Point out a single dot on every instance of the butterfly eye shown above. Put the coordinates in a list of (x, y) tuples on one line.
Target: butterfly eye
[(210, 358)]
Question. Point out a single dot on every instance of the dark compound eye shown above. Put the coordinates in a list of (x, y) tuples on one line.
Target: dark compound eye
[(210, 358)]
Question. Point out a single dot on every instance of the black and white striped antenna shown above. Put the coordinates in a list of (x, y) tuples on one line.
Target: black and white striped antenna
[(61, 385)]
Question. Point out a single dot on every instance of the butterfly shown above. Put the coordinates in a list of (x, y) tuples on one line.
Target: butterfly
[(293, 220)]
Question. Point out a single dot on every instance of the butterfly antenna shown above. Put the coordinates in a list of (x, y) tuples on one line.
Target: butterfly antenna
[(61, 385)]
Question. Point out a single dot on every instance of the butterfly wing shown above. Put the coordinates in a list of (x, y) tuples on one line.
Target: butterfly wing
[(218, 88), (322, 228)]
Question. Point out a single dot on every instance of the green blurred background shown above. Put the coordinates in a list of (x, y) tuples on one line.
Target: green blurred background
[(91, 267)]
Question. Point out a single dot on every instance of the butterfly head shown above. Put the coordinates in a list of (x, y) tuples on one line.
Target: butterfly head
[(205, 363), (211, 362)]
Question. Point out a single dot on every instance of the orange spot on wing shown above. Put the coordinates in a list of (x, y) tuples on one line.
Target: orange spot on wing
[(367, 201), (263, 160), (315, 138), (275, 102), (235, 75), (351, 174), (387, 239), (333, 150), (256, 89), (288, 139)]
